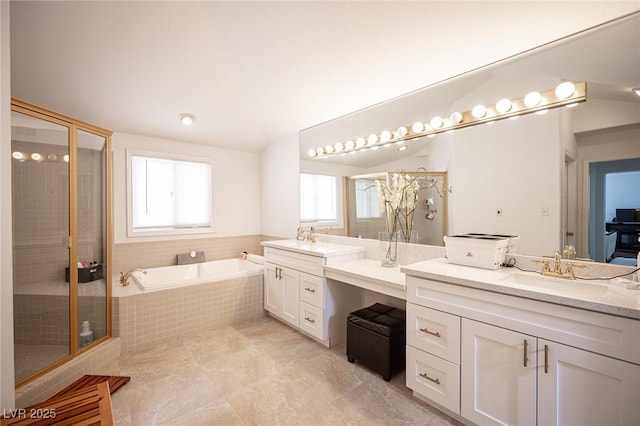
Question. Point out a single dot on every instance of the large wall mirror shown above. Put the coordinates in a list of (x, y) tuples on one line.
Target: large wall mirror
[(528, 176)]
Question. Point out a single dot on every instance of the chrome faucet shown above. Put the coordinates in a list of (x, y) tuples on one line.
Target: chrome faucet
[(124, 278)]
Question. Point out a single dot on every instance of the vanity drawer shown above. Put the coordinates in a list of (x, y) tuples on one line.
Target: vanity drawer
[(312, 320), (434, 378), (433, 331), (312, 289)]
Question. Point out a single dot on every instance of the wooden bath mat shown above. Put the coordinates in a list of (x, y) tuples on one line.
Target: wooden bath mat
[(88, 406), (115, 383)]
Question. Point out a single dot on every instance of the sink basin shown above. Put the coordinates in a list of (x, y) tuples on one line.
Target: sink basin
[(595, 288)]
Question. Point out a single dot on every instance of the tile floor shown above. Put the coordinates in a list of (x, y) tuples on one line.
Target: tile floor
[(259, 373)]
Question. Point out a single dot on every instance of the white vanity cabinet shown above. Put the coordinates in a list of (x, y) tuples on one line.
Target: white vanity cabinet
[(297, 292), (578, 387), (281, 292), (498, 375), (520, 361)]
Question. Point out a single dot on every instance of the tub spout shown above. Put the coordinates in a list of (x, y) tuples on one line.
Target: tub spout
[(124, 278)]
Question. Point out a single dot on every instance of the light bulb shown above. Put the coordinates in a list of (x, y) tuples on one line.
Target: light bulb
[(372, 139), (338, 147), (479, 111), (17, 155), (417, 127), (566, 89), (360, 142), (456, 117), (349, 145), (36, 157), (328, 149), (385, 136), (66, 158), (320, 151), (312, 153), (503, 105), (436, 122), (402, 132), (532, 99), (52, 157)]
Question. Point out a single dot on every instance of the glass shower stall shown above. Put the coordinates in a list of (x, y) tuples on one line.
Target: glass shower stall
[(61, 207)]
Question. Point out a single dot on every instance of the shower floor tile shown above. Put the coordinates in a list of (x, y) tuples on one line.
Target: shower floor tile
[(32, 358)]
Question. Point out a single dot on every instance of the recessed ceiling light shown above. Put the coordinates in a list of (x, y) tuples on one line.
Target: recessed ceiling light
[(187, 119)]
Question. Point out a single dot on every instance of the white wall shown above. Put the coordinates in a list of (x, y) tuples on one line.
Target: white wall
[(508, 166), (236, 186), (7, 392), (280, 188)]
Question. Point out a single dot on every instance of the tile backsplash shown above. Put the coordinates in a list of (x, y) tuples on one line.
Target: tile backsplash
[(154, 254)]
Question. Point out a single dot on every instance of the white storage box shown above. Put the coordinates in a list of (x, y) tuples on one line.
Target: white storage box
[(485, 251)]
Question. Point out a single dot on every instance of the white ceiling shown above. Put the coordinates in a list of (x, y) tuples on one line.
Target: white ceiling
[(256, 72)]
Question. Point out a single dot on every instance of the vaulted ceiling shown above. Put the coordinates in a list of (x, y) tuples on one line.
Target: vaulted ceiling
[(256, 72)]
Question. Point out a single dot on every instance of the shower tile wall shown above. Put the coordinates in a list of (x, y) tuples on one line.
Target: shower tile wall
[(41, 237)]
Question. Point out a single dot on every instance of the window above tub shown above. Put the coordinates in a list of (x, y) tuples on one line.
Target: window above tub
[(168, 194)]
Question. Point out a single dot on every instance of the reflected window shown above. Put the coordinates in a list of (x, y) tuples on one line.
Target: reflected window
[(168, 195), (318, 199), (367, 200)]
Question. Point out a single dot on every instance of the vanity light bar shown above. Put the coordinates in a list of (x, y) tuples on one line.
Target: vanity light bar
[(39, 158), (565, 94)]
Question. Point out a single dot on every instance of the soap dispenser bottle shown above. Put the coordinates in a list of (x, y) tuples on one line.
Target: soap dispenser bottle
[(86, 334)]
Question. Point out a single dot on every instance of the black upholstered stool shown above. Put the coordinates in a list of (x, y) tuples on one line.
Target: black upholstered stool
[(376, 338)]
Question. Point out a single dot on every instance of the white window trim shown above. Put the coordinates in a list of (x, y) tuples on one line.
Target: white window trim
[(173, 231)]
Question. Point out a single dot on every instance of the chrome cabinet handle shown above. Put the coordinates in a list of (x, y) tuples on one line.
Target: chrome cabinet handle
[(426, 376), (433, 333), (525, 352), (310, 290), (312, 321)]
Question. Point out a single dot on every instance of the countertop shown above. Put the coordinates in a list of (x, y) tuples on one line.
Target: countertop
[(610, 297), (320, 249), (371, 275)]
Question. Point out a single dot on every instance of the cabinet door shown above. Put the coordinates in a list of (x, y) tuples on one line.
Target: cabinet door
[(577, 387), (291, 295), (273, 289), (498, 375)]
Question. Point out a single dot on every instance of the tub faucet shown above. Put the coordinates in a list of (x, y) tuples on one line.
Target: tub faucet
[(124, 278)]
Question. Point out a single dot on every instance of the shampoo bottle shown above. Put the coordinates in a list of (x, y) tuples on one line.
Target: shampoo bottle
[(86, 334)]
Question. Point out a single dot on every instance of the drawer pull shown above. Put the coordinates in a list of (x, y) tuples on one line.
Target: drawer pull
[(525, 351), (433, 333), (310, 290), (546, 359), (311, 320), (426, 376)]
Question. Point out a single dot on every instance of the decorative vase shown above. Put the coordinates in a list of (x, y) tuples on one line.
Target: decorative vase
[(390, 240)]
